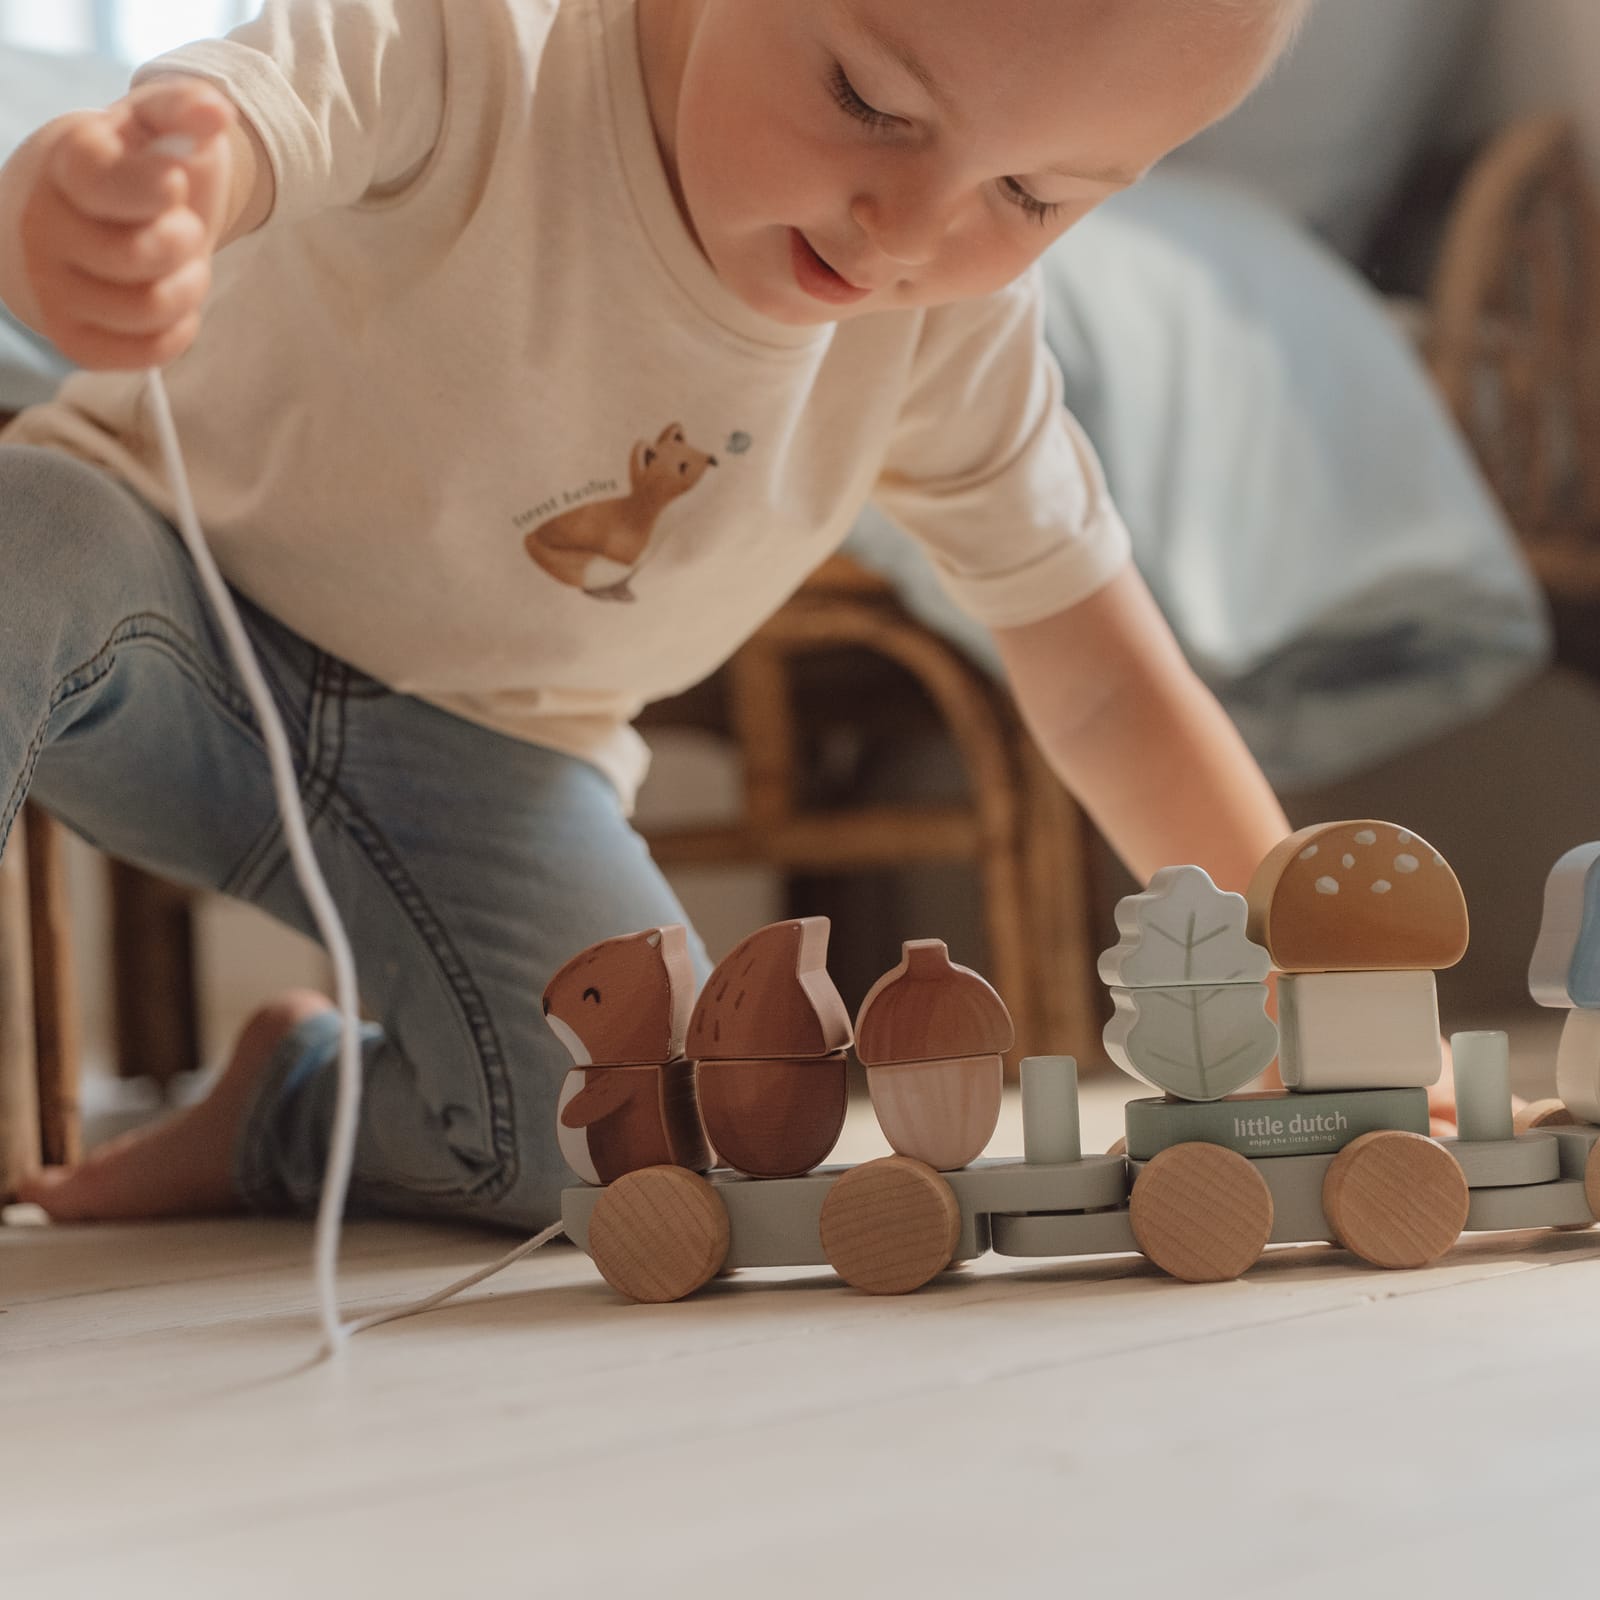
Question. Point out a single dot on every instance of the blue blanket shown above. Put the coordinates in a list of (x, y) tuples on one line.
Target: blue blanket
[(1303, 509)]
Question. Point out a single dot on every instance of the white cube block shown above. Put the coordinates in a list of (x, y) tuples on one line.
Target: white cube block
[(1359, 1030), (1578, 1065)]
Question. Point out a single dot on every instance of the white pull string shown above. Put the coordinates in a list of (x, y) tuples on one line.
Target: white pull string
[(537, 1242), (347, 1110), (341, 1153)]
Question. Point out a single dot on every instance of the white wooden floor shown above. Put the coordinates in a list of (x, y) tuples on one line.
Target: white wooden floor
[(1076, 1427)]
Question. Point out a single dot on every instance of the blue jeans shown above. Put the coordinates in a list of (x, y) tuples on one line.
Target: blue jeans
[(468, 866)]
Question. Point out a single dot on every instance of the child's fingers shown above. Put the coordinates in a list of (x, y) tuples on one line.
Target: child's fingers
[(185, 121), (130, 253), (174, 106), (113, 352), (94, 172), (144, 310)]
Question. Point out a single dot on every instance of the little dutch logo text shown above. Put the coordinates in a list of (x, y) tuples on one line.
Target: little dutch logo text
[(1297, 1126)]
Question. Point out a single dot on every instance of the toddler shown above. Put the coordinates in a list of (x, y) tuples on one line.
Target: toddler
[(547, 345)]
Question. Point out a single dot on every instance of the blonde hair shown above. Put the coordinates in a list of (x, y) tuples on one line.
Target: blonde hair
[(1292, 14), (1291, 17)]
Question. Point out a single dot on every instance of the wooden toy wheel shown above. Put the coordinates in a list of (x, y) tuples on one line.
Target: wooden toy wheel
[(1201, 1213), (1543, 1114), (1395, 1199), (659, 1234), (889, 1226)]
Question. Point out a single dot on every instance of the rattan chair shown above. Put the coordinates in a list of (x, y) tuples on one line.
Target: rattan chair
[(39, 1057), (1514, 344)]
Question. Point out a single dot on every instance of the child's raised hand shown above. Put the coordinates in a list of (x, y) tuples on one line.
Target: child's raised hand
[(119, 229)]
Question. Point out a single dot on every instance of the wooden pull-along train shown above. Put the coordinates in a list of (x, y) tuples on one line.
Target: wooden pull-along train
[(699, 1128)]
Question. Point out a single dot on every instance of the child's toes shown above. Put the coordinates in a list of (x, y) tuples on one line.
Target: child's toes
[(56, 1190)]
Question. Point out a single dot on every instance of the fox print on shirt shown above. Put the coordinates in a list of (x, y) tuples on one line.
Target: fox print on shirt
[(598, 547)]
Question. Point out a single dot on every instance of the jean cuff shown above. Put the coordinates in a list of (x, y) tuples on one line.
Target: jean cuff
[(281, 1151)]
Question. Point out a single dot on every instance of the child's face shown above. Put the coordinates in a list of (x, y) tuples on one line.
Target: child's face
[(825, 175)]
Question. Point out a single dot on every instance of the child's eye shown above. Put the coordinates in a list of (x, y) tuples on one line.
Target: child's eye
[(1040, 211), (844, 92)]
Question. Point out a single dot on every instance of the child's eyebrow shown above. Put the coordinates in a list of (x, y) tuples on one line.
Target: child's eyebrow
[(1111, 175), (905, 58)]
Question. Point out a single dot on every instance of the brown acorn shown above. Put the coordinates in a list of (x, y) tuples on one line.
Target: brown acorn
[(932, 1036), (768, 1037)]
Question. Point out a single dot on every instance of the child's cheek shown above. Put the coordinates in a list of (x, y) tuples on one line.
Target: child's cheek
[(725, 150)]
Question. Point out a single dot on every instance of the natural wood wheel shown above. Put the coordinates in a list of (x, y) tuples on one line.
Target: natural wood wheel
[(1395, 1199), (659, 1234), (889, 1226), (1543, 1114), (1201, 1213)]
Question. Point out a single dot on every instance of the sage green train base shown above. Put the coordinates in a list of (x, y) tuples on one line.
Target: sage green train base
[(1286, 1124), (1080, 1208)]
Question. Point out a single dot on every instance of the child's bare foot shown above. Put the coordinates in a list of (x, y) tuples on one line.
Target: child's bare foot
[(183, 1166)]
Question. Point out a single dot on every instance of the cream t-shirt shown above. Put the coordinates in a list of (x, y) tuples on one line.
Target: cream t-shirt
[(472, 412)]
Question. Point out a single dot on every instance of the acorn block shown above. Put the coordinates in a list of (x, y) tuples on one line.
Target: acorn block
[(932, 1036), (1357, 897), (768, 1036), (621, 1008)]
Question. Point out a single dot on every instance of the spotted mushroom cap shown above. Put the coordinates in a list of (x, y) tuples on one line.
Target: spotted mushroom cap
[(1357, 897)]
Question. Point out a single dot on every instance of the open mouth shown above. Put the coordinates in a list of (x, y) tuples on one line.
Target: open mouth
[(816, 277)]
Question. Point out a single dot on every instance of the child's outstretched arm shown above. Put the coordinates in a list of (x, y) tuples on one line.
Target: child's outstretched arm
[(109, 220), (1140, 741)]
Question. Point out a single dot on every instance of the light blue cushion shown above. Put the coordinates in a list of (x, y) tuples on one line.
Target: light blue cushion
[(1303, 509), (29, 368)]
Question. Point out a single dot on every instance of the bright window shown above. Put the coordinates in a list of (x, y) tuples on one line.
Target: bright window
[(132, 30)]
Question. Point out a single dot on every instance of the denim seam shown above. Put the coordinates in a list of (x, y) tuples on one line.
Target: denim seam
[(269, 844), (142, 628), (486, 1042), (326, 725)]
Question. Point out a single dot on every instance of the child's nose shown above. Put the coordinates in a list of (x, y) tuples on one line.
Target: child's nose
[(906, 227)]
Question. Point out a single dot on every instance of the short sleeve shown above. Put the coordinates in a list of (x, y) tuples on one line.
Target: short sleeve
[(989, 472), (348, 98)]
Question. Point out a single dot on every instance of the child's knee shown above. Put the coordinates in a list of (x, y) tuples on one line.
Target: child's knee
[(79, 551), (56, 517)]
